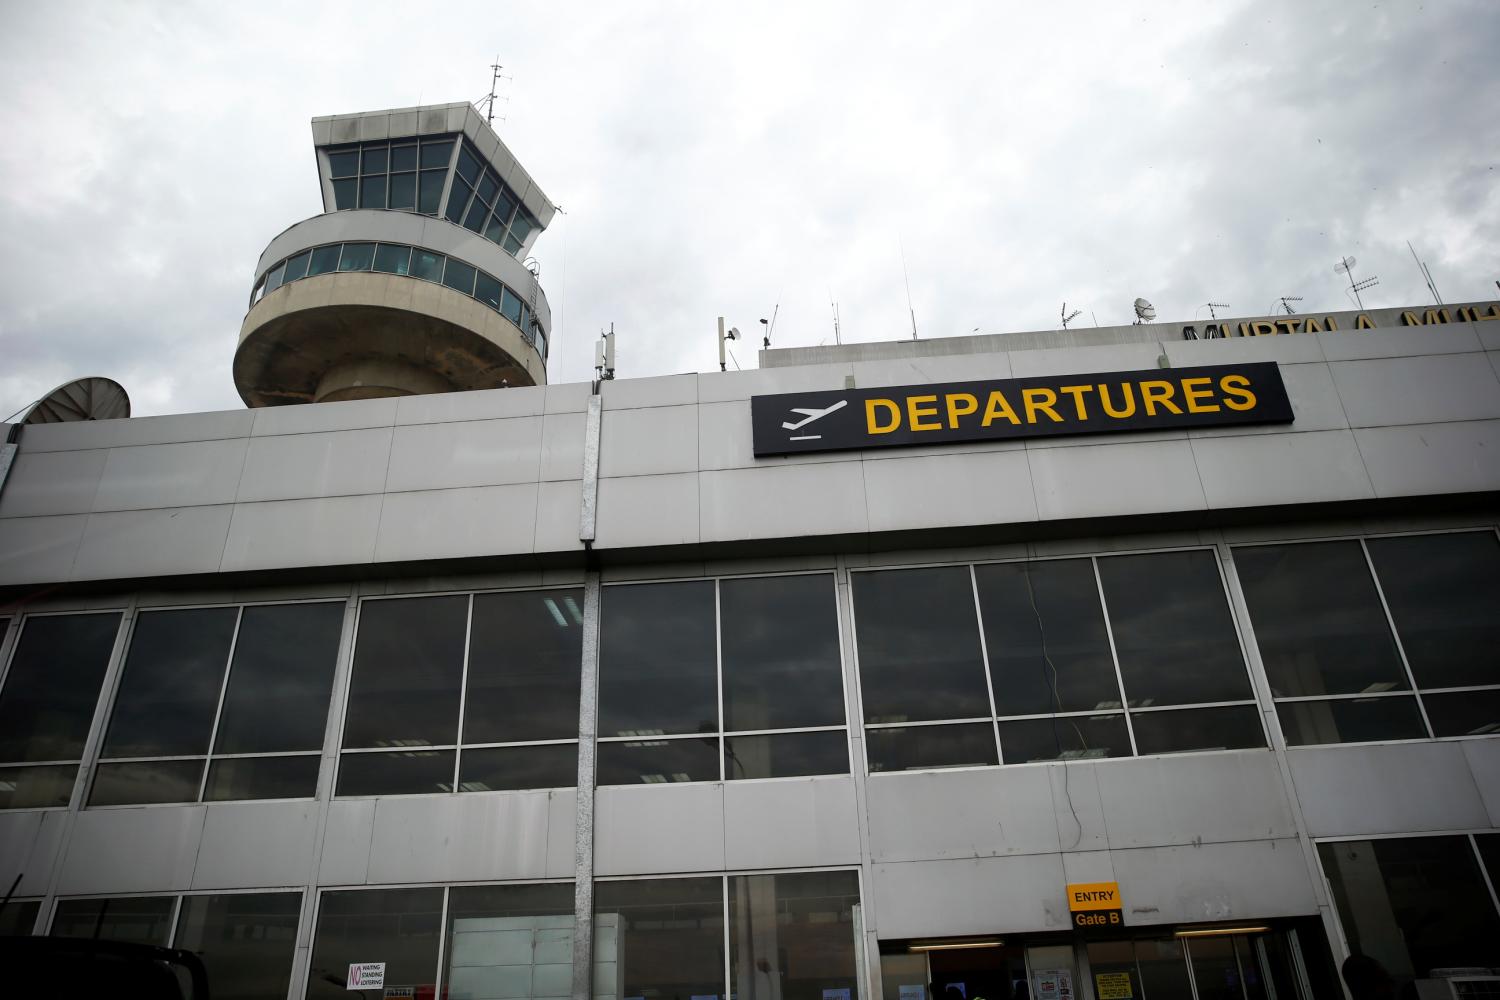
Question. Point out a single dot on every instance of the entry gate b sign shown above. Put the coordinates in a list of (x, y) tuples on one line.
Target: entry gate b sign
[(1095, 905)]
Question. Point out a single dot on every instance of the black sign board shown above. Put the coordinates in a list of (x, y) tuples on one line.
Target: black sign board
[(1038, 406)]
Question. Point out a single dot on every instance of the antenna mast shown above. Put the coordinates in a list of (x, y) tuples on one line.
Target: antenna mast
[(837, 336), (1068, 317), (1346, 266), (907, 278), (488, 101), (1426, 274)]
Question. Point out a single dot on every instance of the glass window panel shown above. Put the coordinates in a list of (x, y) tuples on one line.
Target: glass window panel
[(1413, 904), (512, 245), (1233, 728), (393, 258), (427, 265), (247, 941), (487, 290), (1350, 720), (260, 289), (357, 257), (138, 782), (37, 787), (1251, 971), (1163, 969), (780, 648), (917, 747), (404, 191), (324, 259), (1045, 635), (526, 321), (459, 276), (273, 278), (262, 778), (18, 917), (524, 665), (792, 936), (786, 755), (1173, 634), (1318, 619), (489, 184), (919, 652), (296, 267), (430, 190), (436, 153), (1489, 853), (458, 200), (511, 307), (1466, 713), (522, 225), (399, 927), (169, 690), (399, 772), (408, 665), (1068, 737), (375, 159), (403, 157), (504, 206), (494, 230), (53, 684), (474, 220), (1215, 969), (658, 762), (667, 936), (657, 660), (137, 919), (344, 163), (344, 192), (372, 192), (541, 340), (281, 680), (492, 769), (1443, 592), (511, 941), (468, 163)]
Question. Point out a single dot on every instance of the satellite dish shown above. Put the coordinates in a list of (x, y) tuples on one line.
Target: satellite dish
[(1144, 310), (92, 398), (1344, 264)]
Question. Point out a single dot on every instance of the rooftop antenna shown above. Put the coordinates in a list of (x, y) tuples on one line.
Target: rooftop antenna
[(1346, 266), (1426, 274), (1213, 306), (1068, 317), (907, 278), (724, 337), (488, 101), (1145, 312), (837, 335), (604, 355), (769, 328), (1286, 303)]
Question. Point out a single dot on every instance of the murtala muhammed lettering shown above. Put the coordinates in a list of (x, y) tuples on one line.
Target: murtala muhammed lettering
[(1038, 406)]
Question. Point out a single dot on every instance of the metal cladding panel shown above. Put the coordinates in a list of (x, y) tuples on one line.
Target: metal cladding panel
[(166, 541), (148, 849), (1122, 477), (331, 531), (467, 453), (968, 896), (1399, 341), (334, 463), (646, 510), (942, 815), (1265, 469), (424, 838), (951, 490), (1484, 763), (1417, 390), (29, 842), (1431, 458), (453, 523), (39, 549), (311, 418), (251, 844), (192, 473), (649, 441), (1387, 788), (56, 482), (783, 501), (1194, 798), (659, 829), (475, 404), (344, 857), (562, 446), (660, 390), (1249, 880), (791, 823)]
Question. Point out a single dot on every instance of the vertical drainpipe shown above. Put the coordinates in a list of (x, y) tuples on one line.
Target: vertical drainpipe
[(588, 713)]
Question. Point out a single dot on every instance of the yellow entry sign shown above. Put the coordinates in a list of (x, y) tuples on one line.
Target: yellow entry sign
[(1093, 896)]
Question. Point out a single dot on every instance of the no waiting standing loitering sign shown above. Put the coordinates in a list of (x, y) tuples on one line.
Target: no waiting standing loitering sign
[(366, 975)]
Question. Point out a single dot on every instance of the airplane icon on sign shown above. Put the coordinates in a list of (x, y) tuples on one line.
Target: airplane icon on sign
[(808, 416)]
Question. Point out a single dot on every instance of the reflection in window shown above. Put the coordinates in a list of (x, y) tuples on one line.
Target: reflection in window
[(18, 917), (1350, 720), (780, 645), (1064, 737), (667, 934), (357, 257), (247, 940), (787, 755), (1230, 727), (658, 762), (408, 667), (47, 704), (399, 927), (657, 660), (511, 941), (1413, 904), (135, 919), (792, 936), (910, 748)]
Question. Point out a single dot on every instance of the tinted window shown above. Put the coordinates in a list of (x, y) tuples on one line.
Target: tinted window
[(488, 185), (404, 191), (522, 226), (403, 157), (1467, 713), (281, 680), (427, 265), (135, 782), (262, 778), (408, 664), (19, 916), (357, 257), (375, 158), (468, 164), (343, 164), (458, 200), (1444, 592), (780, 648), (474, 220), (511, 307), (37, 787), (169, 690), (1232, 727), (786, 755), (437, 154), (657, 660), (908, 748), (1173, 635), (53, 684), (392, 258), (399, 927), (509, 941), (667, 934), (919, 654), (1350, 720), (372, 192), (487, 290), (459, 276), (800, 924), (658, 762), (138, 920), (401, 772), (549, 765), (296, 267), (344, 192), (273, 279), (247, 940), (1318, 619), (1045, 635), (324, 259), (430, 190), (1069, 737), (524, 661)]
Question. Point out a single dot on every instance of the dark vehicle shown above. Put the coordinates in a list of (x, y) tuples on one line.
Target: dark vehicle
[(78, 967)]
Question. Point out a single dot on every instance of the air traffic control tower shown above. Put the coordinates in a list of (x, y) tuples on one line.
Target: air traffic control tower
[(412, 280)]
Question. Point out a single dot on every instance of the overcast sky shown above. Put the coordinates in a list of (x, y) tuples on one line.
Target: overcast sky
[(721, 159)]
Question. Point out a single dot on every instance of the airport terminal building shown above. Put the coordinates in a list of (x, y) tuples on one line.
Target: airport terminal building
[(1157, 661)]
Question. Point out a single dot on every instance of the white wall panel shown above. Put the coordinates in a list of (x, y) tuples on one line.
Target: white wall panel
[(1431, 458), (250, 844), (171, 475), (649, 441), (783, 501), (969, 896), (1231, 881), (435, 838), (790, 823), (992, 487), (39, 549), (1261, 469), (961, 814), (1194, 798), (1400, 341), (149, 849), (466, 453), (332, 463), (331, 531), (659, 829), (475, 404), (52, 482), (164, 541), (1483, 757), (455, 523), (1386, 788), (1115, 478), (1417, 390), (647, 510), (345, 856)]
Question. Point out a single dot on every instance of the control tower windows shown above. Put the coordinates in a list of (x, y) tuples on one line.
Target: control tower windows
[(393, 259), (324, 259), (459, 276), (357, 257)]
